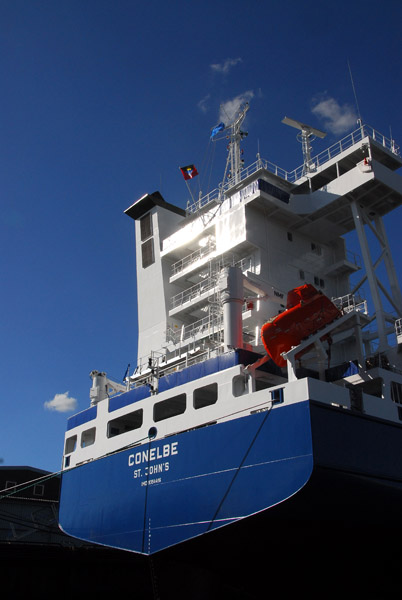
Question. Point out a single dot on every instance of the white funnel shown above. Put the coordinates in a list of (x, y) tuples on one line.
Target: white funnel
[(232, 298)]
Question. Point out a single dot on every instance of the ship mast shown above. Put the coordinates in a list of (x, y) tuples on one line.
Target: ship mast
[(234, 162)]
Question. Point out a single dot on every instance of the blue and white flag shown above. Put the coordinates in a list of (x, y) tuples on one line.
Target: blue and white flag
[(217, 129)]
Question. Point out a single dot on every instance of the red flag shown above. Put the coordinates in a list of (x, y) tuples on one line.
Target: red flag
[(189, 172)]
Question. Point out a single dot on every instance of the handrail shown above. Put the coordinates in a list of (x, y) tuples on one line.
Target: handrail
[(245, 264), (293, 176), (193, 292), (201, 252), (345, 143), (349, 303), (210, 324)]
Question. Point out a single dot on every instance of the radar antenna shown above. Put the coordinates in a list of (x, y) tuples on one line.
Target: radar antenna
[(306, 134)]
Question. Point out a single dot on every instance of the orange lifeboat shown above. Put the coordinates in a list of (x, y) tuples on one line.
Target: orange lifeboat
[(307, 311)]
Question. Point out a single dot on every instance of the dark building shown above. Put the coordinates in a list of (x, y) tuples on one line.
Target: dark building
[(36, 556), (29, 507)]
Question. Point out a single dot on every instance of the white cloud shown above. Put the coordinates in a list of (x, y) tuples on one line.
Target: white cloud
[(61, 403), (229, 108), (225, 66), (202, 104), (337, 119)]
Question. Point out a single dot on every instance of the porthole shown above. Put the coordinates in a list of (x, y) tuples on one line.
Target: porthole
[(152, 433)]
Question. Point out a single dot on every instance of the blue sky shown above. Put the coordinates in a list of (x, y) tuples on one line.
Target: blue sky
[(102, 102)]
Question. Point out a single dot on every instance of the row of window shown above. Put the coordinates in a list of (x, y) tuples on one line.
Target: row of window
[(165, 409), (317, 250), (314, 247), (317, 280)]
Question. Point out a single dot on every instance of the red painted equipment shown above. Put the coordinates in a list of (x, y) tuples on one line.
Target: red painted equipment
[(307, 311)]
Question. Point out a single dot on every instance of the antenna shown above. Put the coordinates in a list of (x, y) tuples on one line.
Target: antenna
[(355, 95), (307, 133)]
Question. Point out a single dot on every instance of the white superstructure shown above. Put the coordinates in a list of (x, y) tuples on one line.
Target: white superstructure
[(280, 230)]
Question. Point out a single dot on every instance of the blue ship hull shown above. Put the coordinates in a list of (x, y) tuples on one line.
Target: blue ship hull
[(151, 497)]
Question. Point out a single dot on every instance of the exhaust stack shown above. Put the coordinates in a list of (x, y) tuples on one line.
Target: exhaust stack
[(232, 298)]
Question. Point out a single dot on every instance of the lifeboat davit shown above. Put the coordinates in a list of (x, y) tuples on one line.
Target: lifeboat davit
[(307, 311)]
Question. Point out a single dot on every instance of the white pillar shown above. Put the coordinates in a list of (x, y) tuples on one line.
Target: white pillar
[(358, 217)]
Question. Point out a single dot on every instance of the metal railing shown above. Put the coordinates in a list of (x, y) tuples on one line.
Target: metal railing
[(210, 283), (349, 303), (188, 260), (345, 143), (354, 258), (218, 194), (209, 325), (206, 326), (166, 369), (193, 292), (293, 176), (193, 360)]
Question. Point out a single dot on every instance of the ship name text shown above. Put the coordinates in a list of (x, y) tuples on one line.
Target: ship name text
[(153, 454), (144, 471)]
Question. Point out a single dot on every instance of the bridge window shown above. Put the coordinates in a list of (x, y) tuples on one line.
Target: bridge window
[(205, 396), (129, 422), (170, 408), (88, 437), (71, 444)]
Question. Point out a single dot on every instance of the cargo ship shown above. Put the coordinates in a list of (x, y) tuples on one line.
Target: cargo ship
[(269, 377)]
